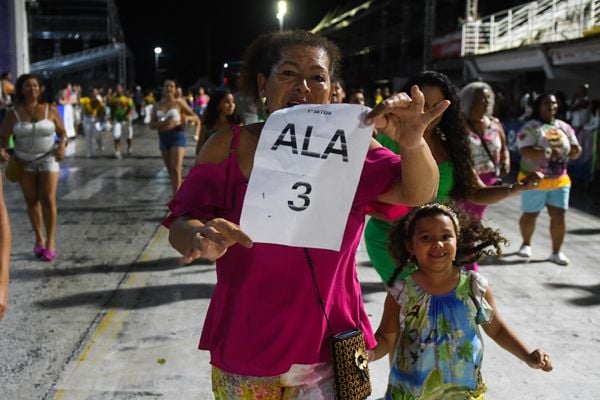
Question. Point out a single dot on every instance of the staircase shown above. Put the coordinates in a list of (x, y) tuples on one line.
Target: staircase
[(543, 21)]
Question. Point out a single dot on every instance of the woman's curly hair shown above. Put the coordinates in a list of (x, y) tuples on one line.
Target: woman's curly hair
[(455, 137), (473, 239), (266, 51)]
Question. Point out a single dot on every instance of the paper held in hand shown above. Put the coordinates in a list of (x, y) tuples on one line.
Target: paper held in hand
[(306, 170)]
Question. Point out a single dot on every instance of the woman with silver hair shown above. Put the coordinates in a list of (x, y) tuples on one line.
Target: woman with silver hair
[(487, 140)]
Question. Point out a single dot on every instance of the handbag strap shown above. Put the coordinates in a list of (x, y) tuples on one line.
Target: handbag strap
[(484, 144), (321, 301)]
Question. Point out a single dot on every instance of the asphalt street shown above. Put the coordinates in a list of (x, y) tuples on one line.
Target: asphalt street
[(116, 316)]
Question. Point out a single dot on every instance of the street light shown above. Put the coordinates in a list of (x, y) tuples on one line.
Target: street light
[(281, 10), (157, 51)]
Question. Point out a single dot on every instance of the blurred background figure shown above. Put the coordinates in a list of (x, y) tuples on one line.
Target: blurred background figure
[(93, 110), (170, 116), (220, 114), (138, 99), (386, 92), (377, 96), (247, 109), (201, 101), (525, 105), (357, 96), (562, 111), (489, 151), (121, 107), (579, 111), (149, 101), (338, 94), (7, 90), (546, 144)]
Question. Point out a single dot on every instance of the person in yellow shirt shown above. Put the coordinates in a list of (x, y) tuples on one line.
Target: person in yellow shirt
[(93, 111), (149, 101), (121, 107)]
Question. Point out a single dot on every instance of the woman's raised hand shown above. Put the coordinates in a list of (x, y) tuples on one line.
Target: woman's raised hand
[(214, 238), (402, 118)]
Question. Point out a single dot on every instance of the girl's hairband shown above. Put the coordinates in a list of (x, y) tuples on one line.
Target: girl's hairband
[(432, 206)]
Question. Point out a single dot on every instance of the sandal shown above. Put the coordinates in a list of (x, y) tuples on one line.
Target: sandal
[(39, 250), (49, 255)]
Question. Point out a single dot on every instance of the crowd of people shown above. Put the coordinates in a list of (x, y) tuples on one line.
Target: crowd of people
[(423, 236)]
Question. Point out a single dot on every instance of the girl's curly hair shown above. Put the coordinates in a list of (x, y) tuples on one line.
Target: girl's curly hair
[(473, 239), (452, 125)]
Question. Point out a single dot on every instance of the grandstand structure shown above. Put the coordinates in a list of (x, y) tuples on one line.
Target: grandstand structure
[(72, 41), (538, 44)]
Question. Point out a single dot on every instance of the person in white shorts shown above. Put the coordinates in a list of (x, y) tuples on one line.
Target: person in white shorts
[(121, 107)]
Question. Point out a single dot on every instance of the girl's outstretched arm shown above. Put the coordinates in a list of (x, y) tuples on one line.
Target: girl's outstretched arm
[(502, 334), (388, 330)]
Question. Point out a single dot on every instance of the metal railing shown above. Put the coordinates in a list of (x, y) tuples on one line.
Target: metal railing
[(79, 60), (541, 21)]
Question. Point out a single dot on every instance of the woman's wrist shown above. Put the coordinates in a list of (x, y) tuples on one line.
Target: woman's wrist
[(418, 146)]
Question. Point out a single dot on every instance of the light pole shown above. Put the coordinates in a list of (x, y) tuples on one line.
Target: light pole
[(281, 10), (157, 51)]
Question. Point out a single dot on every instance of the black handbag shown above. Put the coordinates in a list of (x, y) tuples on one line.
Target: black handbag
[(351, 378)]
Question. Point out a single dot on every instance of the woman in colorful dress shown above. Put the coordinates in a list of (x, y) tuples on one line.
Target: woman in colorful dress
[(431, 317), (487, 139), (547, 144)]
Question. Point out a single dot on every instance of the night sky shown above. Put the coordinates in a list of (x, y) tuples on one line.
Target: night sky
[(197, 37)]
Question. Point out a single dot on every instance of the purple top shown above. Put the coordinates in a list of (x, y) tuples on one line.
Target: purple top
[(264, 314)]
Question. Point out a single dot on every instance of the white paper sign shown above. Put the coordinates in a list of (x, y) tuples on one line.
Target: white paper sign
[(306, 170)]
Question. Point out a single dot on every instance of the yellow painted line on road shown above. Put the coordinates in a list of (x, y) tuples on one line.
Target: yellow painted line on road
[(104, 337)]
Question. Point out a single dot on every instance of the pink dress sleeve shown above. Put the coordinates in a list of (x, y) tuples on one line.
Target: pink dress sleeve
[(380, 171), (202, 193)]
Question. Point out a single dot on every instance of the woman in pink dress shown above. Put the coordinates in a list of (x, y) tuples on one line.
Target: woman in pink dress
[(265, 329)]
